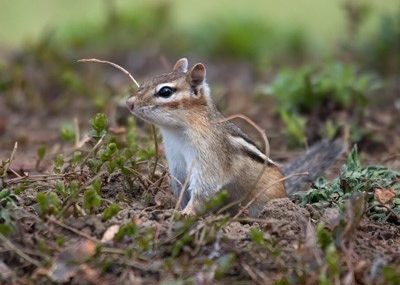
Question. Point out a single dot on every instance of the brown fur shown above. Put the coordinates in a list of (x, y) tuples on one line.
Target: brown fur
[(187, 103), (224, 157), (269, 185)]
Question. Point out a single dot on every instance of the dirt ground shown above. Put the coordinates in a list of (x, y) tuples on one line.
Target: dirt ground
[(176, 250)]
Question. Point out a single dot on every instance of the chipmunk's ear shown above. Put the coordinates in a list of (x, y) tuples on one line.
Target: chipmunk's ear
[(181, 65), (198, 74)]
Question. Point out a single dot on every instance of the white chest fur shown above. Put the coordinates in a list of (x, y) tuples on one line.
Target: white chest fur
[(197, 165), (179, 152)]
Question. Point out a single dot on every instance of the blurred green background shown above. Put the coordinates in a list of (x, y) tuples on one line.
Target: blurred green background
[(323, 22), (316, 59)]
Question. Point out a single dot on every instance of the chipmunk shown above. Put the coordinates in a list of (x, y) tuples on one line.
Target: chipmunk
[(207, 154)]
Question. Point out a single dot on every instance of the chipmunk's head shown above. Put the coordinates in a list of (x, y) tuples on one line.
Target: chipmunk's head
[(171, 99)]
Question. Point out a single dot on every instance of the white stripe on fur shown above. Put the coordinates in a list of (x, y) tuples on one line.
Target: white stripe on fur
[(241, 142)]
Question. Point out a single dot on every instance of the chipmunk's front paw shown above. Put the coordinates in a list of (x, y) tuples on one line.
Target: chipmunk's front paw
[(188, 211)]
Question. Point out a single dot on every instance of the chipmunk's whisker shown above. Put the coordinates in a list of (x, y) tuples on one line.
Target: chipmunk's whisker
[(113, 64)]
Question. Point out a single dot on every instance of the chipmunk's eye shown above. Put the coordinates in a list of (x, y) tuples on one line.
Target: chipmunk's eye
[(165, 92)]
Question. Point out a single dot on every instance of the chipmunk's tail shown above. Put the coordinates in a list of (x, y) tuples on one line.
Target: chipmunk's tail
[(315, 161)]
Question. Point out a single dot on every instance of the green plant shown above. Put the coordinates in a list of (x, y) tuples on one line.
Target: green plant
[(99, 125), (391, 275), (7, 198), (110, 211), (302, 91), (76, 158), (257, 236), (313, 88), (8, 201), (58, 163), (258, 239), (381, 49), (327, 246), (67, 132), (295, 127), (41, 152), (48, 203), (108, 155), (224, 263), (332, 270), (128, 229), (355, 178), (91, 197), (216, 201)]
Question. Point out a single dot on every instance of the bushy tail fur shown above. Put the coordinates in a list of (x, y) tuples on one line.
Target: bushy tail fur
[(315, 161)]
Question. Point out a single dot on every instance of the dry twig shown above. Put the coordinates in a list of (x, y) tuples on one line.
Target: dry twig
[(92, 150), (77, 133), (179, 201), (10, 160), (7, 243), (153, 130), (71, 229), (39, 177), (112, 64), (70, 199)]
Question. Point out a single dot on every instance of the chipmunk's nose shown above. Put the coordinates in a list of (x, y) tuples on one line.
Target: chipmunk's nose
[(131, 103)]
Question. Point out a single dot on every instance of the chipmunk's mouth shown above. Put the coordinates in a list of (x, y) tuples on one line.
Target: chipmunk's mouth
[(144, 113), (153, 114), (130, 103)]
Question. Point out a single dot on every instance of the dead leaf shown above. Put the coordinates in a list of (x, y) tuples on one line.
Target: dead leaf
[(110, 233), (67, 263), (384, 196)]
